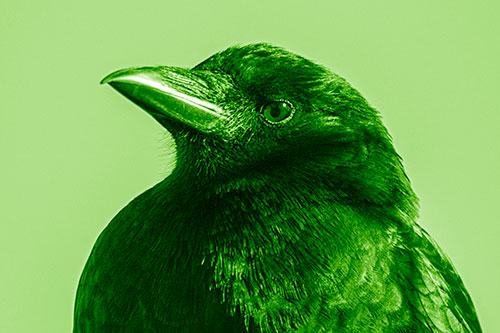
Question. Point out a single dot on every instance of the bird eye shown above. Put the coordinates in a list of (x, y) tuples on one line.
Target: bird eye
[(278, 111)]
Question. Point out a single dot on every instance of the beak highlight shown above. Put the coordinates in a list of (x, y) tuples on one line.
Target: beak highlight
[(169, 94)]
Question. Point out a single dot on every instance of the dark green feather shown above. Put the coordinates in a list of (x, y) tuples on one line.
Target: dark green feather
[(307, 225)]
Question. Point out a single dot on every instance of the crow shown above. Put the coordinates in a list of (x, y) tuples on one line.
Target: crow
[(288, 209)]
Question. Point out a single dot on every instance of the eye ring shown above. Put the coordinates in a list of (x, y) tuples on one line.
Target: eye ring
[(277, 112)]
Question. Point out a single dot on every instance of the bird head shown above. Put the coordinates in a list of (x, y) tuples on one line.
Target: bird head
[(261, 111)]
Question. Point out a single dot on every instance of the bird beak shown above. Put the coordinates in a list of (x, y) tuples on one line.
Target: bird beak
[(169, 94)]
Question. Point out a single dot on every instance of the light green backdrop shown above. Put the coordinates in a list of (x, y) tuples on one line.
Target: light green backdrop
[(74, 153)]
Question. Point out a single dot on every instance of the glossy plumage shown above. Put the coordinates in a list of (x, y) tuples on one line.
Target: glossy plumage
[(306, 224)]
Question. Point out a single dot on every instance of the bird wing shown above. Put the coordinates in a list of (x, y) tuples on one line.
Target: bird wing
[(439, 297)]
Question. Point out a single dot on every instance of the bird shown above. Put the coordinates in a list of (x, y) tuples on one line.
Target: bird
[(288, 209)]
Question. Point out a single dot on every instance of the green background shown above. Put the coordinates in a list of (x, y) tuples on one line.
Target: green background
[(74, 153)]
